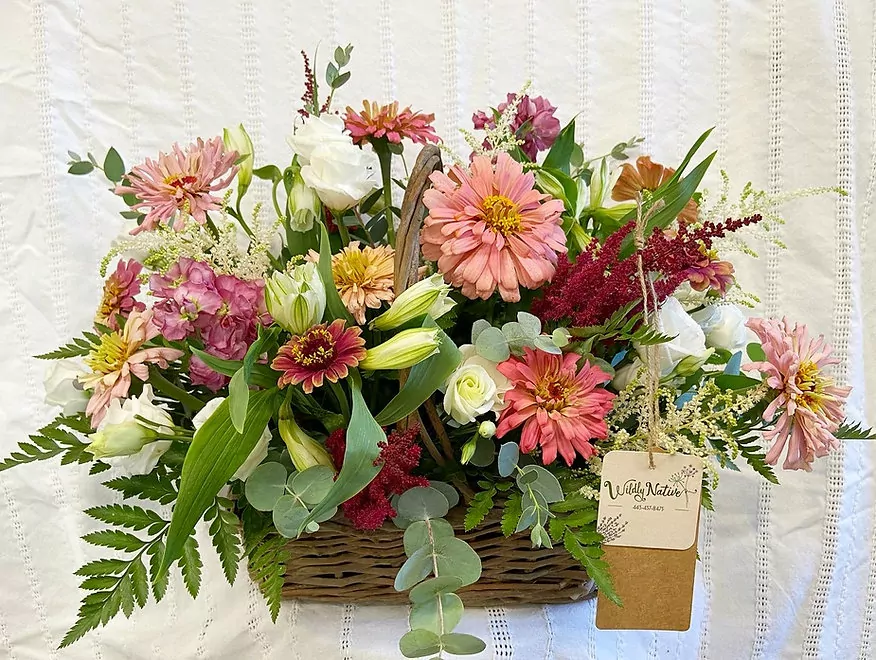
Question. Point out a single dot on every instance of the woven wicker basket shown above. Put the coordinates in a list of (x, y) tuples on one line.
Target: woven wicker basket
[(342, 564)]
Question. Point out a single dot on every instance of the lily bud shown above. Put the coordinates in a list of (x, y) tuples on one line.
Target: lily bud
[(429, 296), (304, 451), (237, 139), (296, 300), (404, 350), (304, 204), (120, 439)]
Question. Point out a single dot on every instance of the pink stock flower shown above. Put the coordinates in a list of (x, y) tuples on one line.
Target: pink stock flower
[(560, 407), (808, 403), (386, 121), (534, 123), (119, 355), (323, 352), (181, 181), (118, 294), (491, 229)]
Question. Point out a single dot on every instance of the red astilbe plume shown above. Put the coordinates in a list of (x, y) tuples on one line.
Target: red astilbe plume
[(309, 87), (599, 283), (399, 455)]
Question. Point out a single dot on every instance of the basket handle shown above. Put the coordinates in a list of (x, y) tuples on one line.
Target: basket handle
[(413, 211)]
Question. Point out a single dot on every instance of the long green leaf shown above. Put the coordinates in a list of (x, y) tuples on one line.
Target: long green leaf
[(238, 388), (262, 375), (363, 437), (423, 380), (561, 151), (334, 308), (690, 154), (216, 452)]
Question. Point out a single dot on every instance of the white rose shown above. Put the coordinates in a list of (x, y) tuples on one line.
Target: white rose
[(123, 417), (687, 351), (724, 327), (63, 388), (341, 174), (316, 131), (625, 375), (476, 387), (258, 453)]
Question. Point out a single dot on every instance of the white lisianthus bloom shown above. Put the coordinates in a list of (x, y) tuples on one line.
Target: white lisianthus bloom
[(476, 387), (689, 297), (63, 388), (296, 300), (258, 453), (341, 174), (124, 442), (237, 139), (303, 204), (724, 327), (625, 375), (317, 131), (687, 351)]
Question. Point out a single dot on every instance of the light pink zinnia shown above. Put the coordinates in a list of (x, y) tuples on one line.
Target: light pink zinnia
[(809, 404), (119, 355), (386, 121), (490, 228), (118, 294), (560, 407), (181, 180)]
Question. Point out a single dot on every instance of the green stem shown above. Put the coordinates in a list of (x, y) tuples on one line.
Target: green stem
[(237, 215), (212, 227), (280, 214), (160, 383), (385, 158), (338, 391), (342, 228), (362, 224)]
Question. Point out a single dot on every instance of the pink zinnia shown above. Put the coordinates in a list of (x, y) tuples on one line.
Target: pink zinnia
[(324, 351), (181, 180), (119, 355), (710, 273), (534, 123), (118, 294), (808, 403), (490, 228), (560, 407), (387, 122)]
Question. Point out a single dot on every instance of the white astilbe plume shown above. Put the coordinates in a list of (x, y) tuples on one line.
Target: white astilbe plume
[(717, 207)]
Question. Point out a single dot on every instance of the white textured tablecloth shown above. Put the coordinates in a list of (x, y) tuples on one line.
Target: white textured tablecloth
[(786, 572)]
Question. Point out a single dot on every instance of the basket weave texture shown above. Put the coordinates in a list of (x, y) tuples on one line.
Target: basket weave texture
[(342, 564), (339, 563)]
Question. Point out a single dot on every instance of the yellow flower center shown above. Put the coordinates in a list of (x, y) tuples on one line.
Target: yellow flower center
[(501, 215), (316, 347), (108, 356), (812, 385), (552, 394)]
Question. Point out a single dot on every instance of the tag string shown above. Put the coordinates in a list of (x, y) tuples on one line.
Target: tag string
[(650, 317)]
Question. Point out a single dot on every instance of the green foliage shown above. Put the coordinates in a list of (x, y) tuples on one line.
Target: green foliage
[(511, 513), (481, 504), (191, 564), (268, 557), (113, 166), (224, 530), (335, 308), (590, 557), (125, 515), (155, 486), (52, 440), (622, 325), (561, 151), (851, 431), (753, 453), (78, 347)]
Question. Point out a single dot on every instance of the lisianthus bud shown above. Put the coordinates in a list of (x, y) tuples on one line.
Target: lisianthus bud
[(63, 388), (120, 439), (304, 451), (304, 205), (237, 139), (487, 429), (404, 350), (428, 296), (296, 300)]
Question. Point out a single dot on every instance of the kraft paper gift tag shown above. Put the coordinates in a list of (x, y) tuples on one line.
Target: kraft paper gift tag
[(649, 518)]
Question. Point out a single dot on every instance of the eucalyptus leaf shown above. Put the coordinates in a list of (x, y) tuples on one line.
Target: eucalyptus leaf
[(312, 484), (433, 587), (417, 534), (447, 490), (425, 615), (455, 557), (422, 503), (528, 518), (544, 483), (492, 345), (540, 538), (509, 454), (477, 328), (462, 644), (417, 643), (289, 516), (755, 352), (531, 324), (546, 344), (417, 567), (113, 166), (82, 167), (485, 452), (265, 486)]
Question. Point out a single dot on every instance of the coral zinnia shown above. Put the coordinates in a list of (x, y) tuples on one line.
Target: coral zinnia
[(118, 294), (710, 273), (647, 175), (560, 407), (117, 357), (491, 228), (363, 276), (181, 180), (387, 122), (809, 403), (324, 351)]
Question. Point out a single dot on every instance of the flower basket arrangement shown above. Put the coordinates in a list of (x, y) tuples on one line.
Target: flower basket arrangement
[(397, 384)]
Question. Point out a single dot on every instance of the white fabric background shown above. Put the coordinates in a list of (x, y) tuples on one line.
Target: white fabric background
[(791, 86)]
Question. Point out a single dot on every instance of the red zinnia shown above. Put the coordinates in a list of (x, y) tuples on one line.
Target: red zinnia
[(324, 351)]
